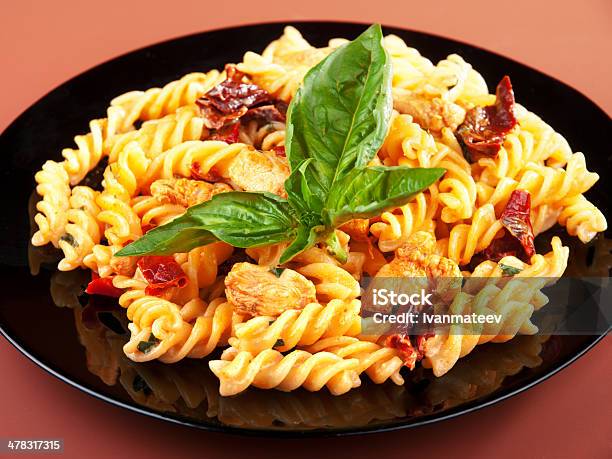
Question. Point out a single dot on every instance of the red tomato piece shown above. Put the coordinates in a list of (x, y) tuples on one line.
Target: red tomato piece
[(161, 272), (102, 286), (484, 129)]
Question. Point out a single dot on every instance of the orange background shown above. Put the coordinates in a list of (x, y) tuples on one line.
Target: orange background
[(44, 43)]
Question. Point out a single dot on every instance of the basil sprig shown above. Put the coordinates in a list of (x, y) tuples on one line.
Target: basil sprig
[(336, 123)]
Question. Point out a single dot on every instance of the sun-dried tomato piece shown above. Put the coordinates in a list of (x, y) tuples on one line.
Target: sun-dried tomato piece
[(213, 119), (505, 246), (517, 220), (266, 114), (280, 150), (227, 134), (484, 129), (230, 99), (518, 240), (420, 344), (408, 354), (161, 272), (102, 286), (238, 256), (281, 106)]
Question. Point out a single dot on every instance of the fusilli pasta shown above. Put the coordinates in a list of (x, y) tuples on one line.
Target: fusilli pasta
[(272, 370), (298, 327)]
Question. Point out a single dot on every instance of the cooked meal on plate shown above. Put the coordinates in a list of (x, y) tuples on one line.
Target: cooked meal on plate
[(240, 209)]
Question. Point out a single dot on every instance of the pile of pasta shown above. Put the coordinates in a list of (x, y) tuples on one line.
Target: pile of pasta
[(162, 158)]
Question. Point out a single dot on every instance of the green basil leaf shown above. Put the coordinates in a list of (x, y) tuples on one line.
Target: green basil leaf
[(277, 271), (365, 193), (303, 191), (335, 249), (145, 346), (306, 237), (340, 115), (508, 270), (242, 219), (247, 219), (183, 233)]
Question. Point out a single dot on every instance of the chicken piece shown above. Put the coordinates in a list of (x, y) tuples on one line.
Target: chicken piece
[(416, 259), (125, 266), (253, 170), (430, 114), (357, 229), (186, 192), (418, 244), (256, 291)]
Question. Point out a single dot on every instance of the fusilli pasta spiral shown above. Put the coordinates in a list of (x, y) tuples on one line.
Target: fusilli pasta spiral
[(331, 281), (298, 327), (582, 218), (157, 102), (174, 337), (379, 363), (272, 370), (265, 137), (83, 230), (54, 189), (465, 239), (121, 183)]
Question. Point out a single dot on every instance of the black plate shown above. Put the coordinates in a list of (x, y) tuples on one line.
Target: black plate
[(186, 392)]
